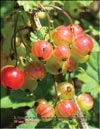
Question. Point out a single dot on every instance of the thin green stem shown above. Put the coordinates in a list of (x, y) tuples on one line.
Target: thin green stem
[(13, 39), (15, 27), (69, 77), (98, 63), (49, 21), (56, 93)]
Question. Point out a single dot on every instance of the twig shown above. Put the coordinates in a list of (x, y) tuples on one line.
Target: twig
[(81, 116), (61, 10), (35, 22)]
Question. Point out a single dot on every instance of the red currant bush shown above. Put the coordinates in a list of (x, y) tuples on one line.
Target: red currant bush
[(35, 70), (77, 30), (62, 35), (42, 50), (12, 77), (83, 45), (45, 112), (62, 52), (85, 101), (65, 90), (66, 108)]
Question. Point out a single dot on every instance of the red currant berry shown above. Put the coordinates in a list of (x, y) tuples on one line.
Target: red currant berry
[(77, 30), (62, 52), (65, 90), (83, 45), (85, 101), (66, 108), (78, 57), (29, 85), (42, 50), (35, 70), (39, 102), (62, 35), (12, 77), (45, 112), (41, 14), (70, 65), (54, 66)]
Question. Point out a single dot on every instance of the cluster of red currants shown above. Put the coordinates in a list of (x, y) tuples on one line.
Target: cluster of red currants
[(70, 46), (66, 107)]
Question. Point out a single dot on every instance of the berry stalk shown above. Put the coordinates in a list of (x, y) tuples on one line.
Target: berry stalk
[(81, 116)]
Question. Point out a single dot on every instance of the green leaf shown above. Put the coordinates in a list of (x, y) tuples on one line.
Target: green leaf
[(16, 99), (6, 8), (31, 113), (21, 51), (90, 76), (38, 35), (91, 127), (28, 125), (27, 5), (85, 2), (7, 33), (31, 120), (44, 87)]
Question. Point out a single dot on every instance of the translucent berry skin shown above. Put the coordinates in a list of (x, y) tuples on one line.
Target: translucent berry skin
[(83, 45), (12, 77), (62, 52), (42, 50), (70, 65), (66, 108), (85, 101), (29, 85), (41, 14), (77, 30), (78, 57), (39, 102), (62, 35), (65, 90), (45, 112), (53, 66), (35, 70)]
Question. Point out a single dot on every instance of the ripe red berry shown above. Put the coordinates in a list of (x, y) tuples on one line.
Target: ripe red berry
[(39, 102), (65, 90), (42, 50), (62, 35), (70, 65), (85, 101), (45, 112), (35, 70), (62, 52), (12, 77), (77, 30), (66, 108), (83, 45)]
